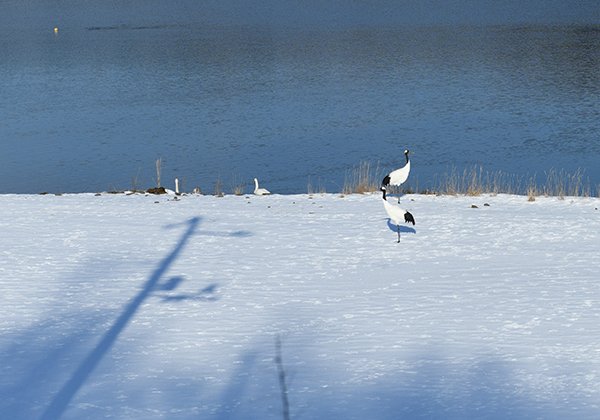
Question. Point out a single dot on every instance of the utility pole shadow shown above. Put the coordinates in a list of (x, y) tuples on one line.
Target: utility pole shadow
[(62, 399)]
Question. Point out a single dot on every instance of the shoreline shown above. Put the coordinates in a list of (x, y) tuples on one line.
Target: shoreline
[(309, 195)]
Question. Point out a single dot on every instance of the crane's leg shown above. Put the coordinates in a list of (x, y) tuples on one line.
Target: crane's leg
[(398, 233)]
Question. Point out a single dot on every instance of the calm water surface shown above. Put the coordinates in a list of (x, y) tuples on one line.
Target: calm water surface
[(91, 109)]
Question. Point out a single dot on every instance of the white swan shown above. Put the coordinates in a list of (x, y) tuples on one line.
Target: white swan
[(397, 214), (260, 191)]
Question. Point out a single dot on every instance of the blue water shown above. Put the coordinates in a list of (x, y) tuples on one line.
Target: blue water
[(92, 107)]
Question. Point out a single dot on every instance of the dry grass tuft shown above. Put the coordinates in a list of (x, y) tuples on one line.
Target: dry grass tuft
[(237, 186), (158, 165), (561, 184), (239, 189), (315, 189), (362, 179), (218, 191)]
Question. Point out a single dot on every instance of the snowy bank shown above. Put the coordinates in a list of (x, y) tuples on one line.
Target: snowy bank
[(146, 307)]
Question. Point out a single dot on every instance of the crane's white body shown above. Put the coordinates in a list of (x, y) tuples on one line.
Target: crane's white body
[(260, 191), (396, 213), (398, 176)]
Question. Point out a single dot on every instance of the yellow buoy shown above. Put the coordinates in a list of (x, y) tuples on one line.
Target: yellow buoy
[(56, 29)]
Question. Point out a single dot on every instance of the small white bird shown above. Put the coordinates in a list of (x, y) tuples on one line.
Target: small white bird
[(399, 176), (397, 215), (260, 191)]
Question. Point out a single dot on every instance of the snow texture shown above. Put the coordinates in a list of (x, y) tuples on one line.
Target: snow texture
[(151, 307)]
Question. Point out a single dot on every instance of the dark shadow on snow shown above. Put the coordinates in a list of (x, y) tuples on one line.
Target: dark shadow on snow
[(64, 396), (436, 387), (403, 228), (32, 367), (206, 294), (236, 392), (68, 391), (236, 234)]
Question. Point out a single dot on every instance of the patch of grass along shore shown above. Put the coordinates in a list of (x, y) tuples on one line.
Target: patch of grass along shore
[(473, 181), (476, 181)]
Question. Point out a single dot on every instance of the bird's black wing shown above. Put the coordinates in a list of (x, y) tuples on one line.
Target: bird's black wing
[(386, 181)]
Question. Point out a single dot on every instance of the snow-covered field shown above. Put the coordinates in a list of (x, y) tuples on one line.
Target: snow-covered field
[(143, 307)]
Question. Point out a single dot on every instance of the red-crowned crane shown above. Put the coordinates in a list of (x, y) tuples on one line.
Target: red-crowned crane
[(396, 213), (399, 176)]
